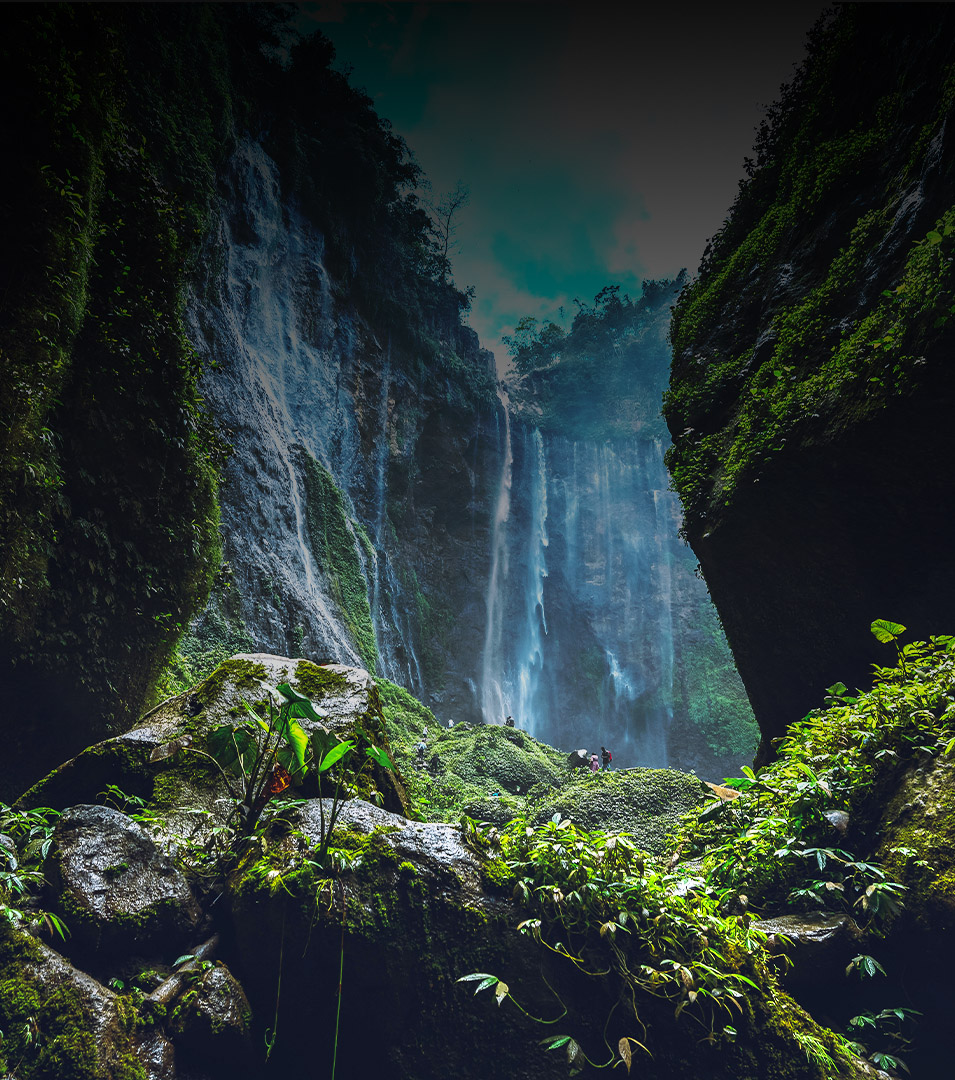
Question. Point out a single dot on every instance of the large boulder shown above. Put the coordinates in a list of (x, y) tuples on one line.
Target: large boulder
[(116, 890), (421, 910), (648, 803), (185, 782), (58, 1022)]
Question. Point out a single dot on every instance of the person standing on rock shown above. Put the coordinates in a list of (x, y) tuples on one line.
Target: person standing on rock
[(594, 764), (606, 757)]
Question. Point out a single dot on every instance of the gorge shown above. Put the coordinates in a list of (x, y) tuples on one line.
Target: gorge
[(284, 549)]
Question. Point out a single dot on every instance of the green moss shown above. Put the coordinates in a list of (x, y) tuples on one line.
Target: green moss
[(48, 1030), (497, 876), (109, 467), (853, 337), (212, 638), (315, 681), (242, 674), (332, 538)]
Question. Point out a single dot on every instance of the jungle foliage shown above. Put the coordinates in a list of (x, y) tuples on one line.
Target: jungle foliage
[(765, 360)]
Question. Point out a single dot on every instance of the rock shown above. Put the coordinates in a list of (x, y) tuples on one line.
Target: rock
[(578, 759), (420, 911), (183, 784), (645, 802), (796, 579), (66, 1024), (819, 946), (211, 1023), (116, 891)]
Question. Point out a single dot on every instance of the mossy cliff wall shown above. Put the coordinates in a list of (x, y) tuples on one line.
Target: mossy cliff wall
[(811, 389), (108, 462), (132, 117)]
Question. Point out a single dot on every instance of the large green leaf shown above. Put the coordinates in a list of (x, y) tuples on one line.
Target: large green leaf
[(886, 631), (379, 757), (234, 748), (322, 741), (335, 754), (297, 742), (297, 704)]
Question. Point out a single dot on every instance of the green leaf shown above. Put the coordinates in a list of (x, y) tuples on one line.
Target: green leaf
[(839, 688), (485, 980), (323, 741), (334, 755), (233, 748), (803, 767), (297, 704), (297, 742), (555, 1043), (379, 757), (748, 772), (933, 237), (255, 716), (886, 631), (712, 810)]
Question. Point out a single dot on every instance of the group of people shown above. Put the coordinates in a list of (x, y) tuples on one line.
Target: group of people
[(605, 758), (581, 759)]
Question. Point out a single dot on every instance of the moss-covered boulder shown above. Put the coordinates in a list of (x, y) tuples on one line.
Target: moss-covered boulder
[(211, 1023), (917, 842), (419, 910), (59, 1023), (179, 785), (812, 370), (483, 770), (648, 803)]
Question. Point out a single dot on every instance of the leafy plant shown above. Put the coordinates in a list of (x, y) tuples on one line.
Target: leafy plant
[(600, 904), (25, 839), (260, 759)]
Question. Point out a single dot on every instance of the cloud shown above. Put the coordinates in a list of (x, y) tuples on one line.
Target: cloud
[(601, 144)]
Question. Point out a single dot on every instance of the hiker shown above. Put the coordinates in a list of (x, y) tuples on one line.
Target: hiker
[(594, 764), (509, 722), (422, 749), (606, 757)]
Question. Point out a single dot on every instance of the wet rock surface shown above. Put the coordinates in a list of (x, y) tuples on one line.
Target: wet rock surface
[(114, 887), (819, 946), (211, 1023), (64, 1023)]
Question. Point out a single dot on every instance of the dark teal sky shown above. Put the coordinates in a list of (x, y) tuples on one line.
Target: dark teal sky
[(601, 143)]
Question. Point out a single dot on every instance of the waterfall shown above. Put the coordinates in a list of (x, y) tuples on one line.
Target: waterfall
[(583, 547), (493, 703), (531, 659)]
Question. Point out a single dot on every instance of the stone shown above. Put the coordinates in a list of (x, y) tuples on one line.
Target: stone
[(820, 946), (211, 1022), (67, 1024), (115, 889)]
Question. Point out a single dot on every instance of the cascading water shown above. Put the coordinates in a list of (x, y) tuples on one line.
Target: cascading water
[(493, 696), (580, 640)]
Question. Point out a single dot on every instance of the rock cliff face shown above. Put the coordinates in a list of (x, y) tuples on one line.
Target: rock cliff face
[(384, 509), (811, 384)]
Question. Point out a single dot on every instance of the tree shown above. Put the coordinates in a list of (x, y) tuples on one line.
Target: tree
[(445, 226)]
